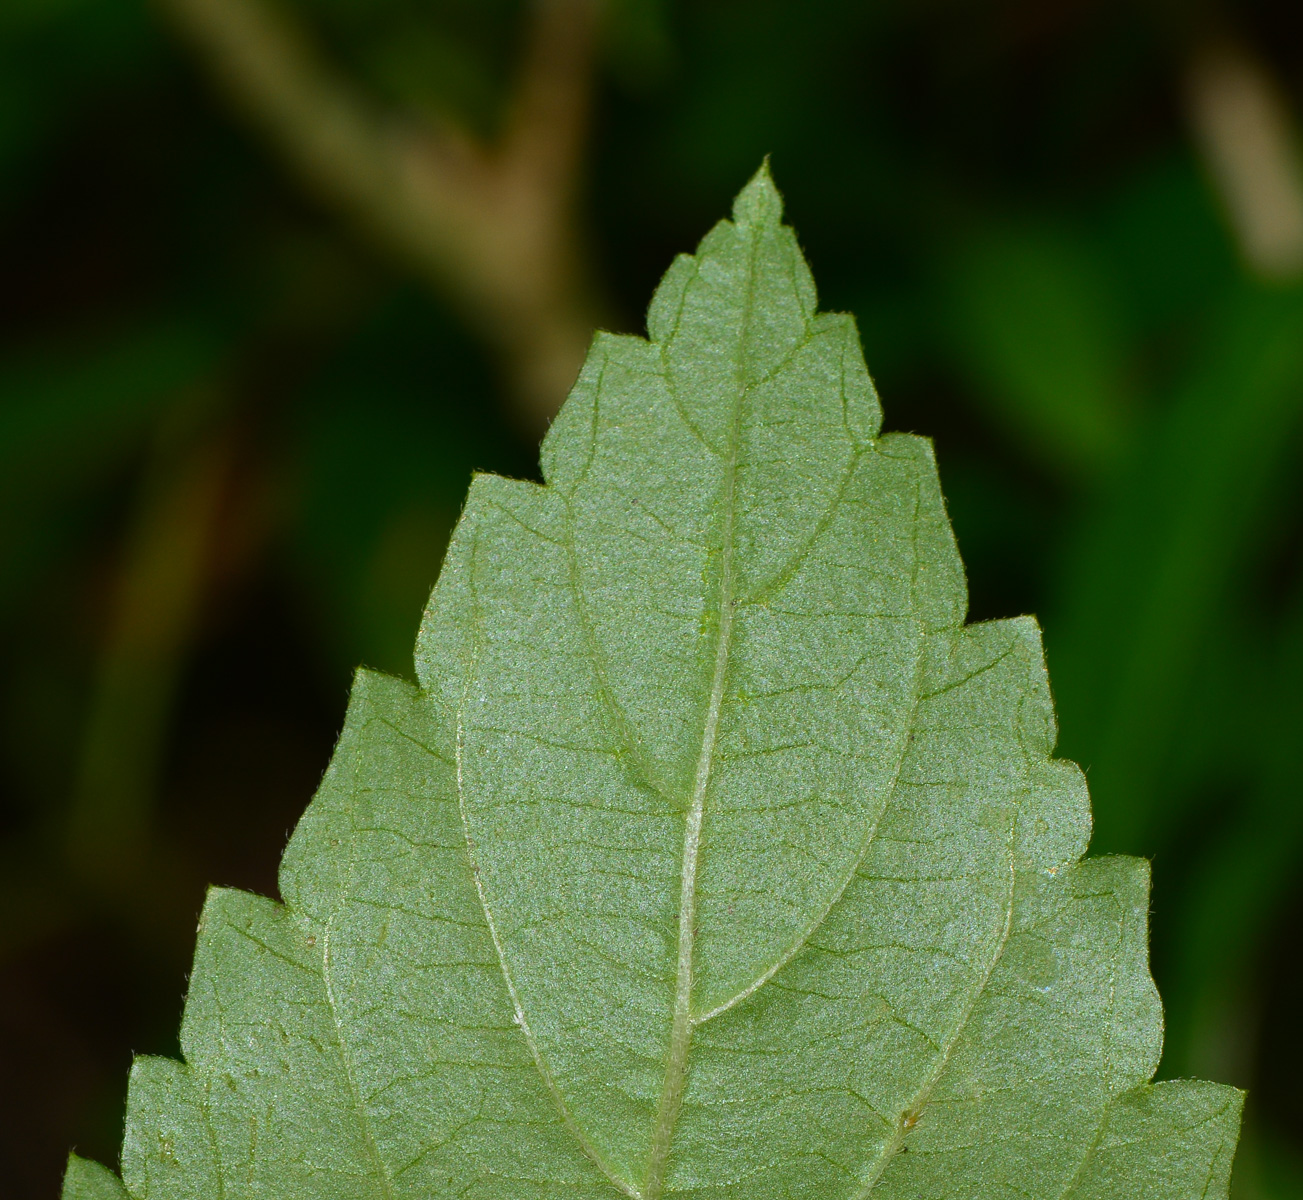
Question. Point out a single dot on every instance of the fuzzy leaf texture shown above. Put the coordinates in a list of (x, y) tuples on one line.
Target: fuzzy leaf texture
[(713, 856)]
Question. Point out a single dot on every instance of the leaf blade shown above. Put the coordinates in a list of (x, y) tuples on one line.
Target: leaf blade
[(713, 855)]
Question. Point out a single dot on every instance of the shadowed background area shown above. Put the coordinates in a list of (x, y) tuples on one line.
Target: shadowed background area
[(280, 274)]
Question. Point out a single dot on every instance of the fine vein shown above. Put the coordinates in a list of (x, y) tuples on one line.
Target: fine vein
[(802, 939)]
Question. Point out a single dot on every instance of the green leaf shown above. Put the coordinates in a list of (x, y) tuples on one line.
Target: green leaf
[(713, 855)]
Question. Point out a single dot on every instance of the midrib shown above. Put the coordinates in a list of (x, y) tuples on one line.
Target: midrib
[(676, 1065)]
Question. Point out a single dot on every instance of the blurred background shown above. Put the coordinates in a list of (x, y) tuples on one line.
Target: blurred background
[(279, 274)]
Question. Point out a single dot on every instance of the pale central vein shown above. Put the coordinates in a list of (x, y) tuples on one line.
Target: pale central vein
[(676, 1065), (681, 1028)]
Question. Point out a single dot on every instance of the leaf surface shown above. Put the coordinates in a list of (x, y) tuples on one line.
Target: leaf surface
[(713, 855)]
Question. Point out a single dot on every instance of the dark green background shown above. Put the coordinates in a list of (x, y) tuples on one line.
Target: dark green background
[(1007, 195)]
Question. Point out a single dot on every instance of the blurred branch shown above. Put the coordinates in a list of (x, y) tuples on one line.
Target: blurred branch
[(1249, 141), (490, 226), (159, 591)]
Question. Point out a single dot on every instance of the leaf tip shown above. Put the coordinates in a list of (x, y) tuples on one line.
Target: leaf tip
[(87, 1180), (759, 203)]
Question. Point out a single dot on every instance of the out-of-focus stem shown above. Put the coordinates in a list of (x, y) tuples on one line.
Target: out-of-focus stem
[(1250, 144), (154, 607), (490, 226)]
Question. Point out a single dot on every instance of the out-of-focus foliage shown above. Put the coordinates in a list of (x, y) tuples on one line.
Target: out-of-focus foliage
[(233, 439)]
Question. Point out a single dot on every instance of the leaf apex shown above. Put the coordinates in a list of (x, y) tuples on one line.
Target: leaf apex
[(760, 202), (86, 1179)]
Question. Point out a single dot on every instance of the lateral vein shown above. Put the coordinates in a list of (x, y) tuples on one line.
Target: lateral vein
[(903, 1125), (522, 1022)]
